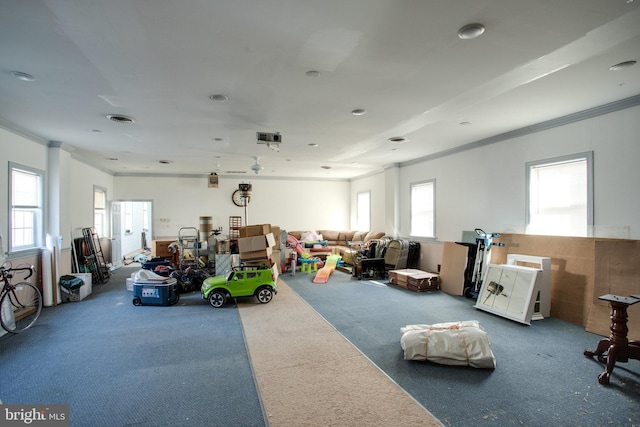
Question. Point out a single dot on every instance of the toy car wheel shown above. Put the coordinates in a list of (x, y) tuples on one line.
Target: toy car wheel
[(217, 299), (137, 301), (264, 294)]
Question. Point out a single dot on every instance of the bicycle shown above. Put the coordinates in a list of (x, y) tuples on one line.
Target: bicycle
[(21, 303)]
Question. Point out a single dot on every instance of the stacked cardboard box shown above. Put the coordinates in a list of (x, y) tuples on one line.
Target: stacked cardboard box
[(416, 280), (260, 245), (256, 250)]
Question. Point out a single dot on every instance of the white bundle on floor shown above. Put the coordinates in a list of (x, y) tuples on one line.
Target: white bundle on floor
[(455, 343)]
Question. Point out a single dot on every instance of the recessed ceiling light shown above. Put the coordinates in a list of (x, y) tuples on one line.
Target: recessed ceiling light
[(112, 158), (165, 162), (622, 65), (465, 123), (219, 98), (96, 130), (312, 73), (313, 145), (217, 139), (120, 119), (25, 77), (397, 139), (325, 167), (359, 112), (471, 31)]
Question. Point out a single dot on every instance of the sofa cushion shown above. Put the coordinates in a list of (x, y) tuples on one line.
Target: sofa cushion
[(359, 236), (330, 235), (372, 235), (297, 234), (345, 236)]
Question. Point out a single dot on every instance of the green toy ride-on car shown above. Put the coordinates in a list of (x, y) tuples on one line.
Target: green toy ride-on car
[(240, 282)]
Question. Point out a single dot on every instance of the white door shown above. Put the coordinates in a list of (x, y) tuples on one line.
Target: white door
[(116, 235)]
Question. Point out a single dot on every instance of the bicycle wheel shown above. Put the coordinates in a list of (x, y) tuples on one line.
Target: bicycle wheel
[(20, 307)]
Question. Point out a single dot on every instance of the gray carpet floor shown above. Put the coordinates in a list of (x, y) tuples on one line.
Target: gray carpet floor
[(116, 364), (542, 377)]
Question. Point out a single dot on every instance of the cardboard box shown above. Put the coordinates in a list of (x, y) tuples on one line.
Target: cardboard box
[(160, 248), (266, 262), (276, 258), (255, 230), (454, 263), (263, 255), (275, 230), (256, 243), (78, 294)]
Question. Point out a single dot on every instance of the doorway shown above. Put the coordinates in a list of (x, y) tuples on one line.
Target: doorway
[(131, 226)]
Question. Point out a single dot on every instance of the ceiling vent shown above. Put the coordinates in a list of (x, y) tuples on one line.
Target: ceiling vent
[(121, 119)]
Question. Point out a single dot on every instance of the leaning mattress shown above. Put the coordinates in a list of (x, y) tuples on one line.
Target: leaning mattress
[(455, 343)]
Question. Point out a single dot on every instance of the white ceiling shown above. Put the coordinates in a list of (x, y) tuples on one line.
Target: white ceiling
[(401, 60)]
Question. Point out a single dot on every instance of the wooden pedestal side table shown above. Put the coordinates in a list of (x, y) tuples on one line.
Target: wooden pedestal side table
[(616, 348)]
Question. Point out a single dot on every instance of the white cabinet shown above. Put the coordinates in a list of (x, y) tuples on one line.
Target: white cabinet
[(510, 291), (543, 264)]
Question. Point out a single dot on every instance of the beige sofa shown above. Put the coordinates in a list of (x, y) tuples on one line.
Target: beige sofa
[(337, 241)]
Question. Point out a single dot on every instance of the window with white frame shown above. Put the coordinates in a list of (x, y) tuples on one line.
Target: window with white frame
[(100, 210), (26, 216), (423, 213), (364, 211), (559, 196)]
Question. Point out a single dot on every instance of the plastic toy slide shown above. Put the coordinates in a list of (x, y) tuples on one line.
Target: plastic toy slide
[(297, 246), (322, 276)]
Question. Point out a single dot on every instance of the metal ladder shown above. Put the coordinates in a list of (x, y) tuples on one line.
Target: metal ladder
[(95, 257)]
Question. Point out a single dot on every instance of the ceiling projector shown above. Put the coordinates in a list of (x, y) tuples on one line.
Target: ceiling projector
[(268, 137)]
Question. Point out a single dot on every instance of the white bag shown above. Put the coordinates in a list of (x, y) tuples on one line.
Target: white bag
[(455, 343)]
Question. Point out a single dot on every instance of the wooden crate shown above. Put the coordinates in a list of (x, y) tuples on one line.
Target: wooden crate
[(415, 280)]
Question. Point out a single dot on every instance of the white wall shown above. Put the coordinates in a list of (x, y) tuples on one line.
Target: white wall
[(76, 200), (485, 187), (293, 205)]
